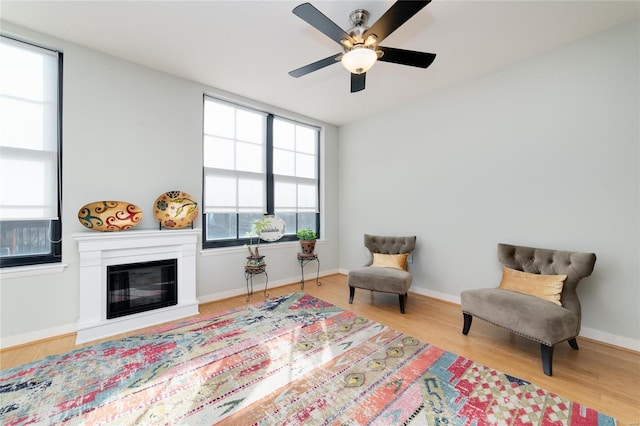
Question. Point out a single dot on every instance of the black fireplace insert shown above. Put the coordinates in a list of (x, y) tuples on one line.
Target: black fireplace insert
[(141, 287)]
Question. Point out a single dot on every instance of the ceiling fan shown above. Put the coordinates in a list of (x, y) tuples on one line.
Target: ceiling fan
[(360, 44)]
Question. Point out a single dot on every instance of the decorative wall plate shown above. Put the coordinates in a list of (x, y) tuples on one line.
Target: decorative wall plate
[(274, 230), (175, 209), (108, 216)]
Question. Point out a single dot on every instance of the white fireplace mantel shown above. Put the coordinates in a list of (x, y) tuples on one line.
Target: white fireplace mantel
[(101, 249)]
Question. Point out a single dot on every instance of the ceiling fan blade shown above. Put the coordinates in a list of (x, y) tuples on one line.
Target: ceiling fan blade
[(406, 57), (315, 66), (398, 14), (357, 82), (316, 19)]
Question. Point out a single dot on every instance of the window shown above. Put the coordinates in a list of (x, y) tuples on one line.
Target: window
[(30, 135), (255, 164)]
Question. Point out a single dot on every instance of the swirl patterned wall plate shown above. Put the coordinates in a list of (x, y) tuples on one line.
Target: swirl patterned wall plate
[(109, 216), (175, 209)]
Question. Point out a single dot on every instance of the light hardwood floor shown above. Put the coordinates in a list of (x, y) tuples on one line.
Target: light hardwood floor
[(600, 376)]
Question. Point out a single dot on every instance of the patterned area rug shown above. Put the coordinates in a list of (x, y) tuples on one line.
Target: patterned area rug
[(292, 360)]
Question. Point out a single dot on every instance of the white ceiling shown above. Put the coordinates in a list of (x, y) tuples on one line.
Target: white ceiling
[(248, 47)]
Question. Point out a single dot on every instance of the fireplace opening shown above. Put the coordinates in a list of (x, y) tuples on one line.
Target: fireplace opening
[(141, 287)]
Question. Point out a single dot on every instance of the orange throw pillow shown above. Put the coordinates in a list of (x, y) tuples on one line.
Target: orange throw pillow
[(547, 287), (395, 261)]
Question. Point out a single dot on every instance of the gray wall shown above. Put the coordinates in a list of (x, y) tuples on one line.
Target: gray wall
[(131, 134), (543, 154)]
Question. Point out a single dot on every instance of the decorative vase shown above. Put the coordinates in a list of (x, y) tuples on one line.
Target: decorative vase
[(175, 209), (308, 246), (109, 216)]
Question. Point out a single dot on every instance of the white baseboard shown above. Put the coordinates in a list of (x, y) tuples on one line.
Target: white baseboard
[(258, 289), (612, 339), (33, 336), (21, 339), (436, 295), (589, 333)]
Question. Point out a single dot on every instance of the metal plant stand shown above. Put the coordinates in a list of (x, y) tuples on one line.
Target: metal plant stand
[(303, 259), (249, 273)]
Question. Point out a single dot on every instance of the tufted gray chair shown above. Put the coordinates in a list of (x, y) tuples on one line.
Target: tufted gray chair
[(385, 280), (530, 316)]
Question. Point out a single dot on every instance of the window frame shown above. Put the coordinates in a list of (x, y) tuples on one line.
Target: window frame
[(54, 225), (269, 181)]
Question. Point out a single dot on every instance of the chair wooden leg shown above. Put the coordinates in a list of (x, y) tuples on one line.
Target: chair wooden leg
[(573, 343), (467, 323), (547, 357), (352, 292), (401, 298)]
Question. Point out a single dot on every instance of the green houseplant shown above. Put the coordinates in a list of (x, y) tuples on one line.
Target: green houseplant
[(308, 239)]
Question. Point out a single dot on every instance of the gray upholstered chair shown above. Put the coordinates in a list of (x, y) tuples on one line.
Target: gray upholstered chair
[(531, 316), (383, 279)]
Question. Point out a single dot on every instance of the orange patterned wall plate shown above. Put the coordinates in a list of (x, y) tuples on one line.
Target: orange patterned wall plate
[(108, 216), (175, 209)]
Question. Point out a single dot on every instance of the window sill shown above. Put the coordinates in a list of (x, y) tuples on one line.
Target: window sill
[(32, 270), (264, 248)]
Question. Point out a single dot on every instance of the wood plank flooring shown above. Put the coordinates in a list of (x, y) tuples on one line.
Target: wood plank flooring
[(600, 376)]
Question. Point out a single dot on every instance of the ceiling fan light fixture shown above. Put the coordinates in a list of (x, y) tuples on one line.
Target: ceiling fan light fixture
[(359, 59)]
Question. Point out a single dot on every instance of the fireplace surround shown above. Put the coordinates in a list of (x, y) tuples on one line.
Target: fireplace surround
[(102, 251)]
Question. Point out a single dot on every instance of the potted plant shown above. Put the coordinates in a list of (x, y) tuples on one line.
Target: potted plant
[(308, 239), (255, 259)]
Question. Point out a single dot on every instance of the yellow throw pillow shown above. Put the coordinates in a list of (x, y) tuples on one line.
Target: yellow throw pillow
[(396, 261), (547, 287)]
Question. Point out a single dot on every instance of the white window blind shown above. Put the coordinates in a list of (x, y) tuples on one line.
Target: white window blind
[(295, 167), (28, 132), (234, 159)]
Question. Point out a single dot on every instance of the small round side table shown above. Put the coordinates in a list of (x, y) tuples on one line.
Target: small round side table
[(303, 259)]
